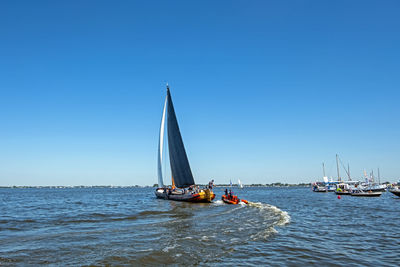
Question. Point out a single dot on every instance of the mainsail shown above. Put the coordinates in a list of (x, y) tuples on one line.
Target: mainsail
[(240, 184), (160, 146), (180, 168)]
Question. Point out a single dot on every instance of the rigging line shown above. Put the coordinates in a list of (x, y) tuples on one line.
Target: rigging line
[(330, 168), (343, 166)]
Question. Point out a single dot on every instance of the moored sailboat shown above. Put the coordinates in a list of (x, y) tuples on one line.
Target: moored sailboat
[(183, 185), (395, 191)]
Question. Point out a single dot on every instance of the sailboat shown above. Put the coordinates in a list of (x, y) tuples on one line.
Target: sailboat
[(240, 184), (183, 186)]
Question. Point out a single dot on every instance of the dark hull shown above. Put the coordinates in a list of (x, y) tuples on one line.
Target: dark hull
[(397, 193), (366, 195), (342, 193), (187, 197)]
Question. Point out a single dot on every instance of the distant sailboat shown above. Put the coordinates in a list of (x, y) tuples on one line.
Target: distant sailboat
[(183, 186), (240, 184)]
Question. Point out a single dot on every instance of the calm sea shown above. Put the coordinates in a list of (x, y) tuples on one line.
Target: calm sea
[(129, 226)]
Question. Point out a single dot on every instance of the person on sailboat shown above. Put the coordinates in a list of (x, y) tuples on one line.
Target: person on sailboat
[(211, 184)]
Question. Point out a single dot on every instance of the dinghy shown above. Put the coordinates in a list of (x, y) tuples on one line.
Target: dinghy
[(233, 200), (230, 198)]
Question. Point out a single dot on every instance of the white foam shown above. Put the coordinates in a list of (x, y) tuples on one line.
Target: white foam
[(284, 217), (264, 234), (218, 202), (166, 249)]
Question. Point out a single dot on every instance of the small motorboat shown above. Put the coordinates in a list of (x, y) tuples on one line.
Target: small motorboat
[(319, 189), (331, 187), (232, 199), (361, 193)]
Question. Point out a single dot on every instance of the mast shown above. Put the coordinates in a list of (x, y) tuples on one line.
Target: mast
[(373, 178), (348, 171), (366, 177), (337, 167), (379, 177), (323, 169)]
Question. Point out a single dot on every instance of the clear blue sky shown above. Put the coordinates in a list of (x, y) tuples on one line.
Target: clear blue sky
[(264, 91)]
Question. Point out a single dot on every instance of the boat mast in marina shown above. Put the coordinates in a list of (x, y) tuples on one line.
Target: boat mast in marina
[(379, 177), (372, 176), (337, 167), (348, 171), (324, 177)]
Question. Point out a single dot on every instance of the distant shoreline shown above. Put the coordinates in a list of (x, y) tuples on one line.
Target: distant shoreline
[(139, 186)]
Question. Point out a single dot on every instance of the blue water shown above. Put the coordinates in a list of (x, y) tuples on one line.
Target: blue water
[(129, 226)]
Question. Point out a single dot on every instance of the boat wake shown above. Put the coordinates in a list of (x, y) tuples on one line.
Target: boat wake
[(284, 217), (218, 202), (262, 219), (258, 219)]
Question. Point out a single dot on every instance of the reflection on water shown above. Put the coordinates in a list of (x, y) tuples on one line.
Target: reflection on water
[(129, 226)]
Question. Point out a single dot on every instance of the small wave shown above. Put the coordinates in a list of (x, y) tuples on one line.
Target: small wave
[(128, 218), (12, 229), (279, 217), (264, 234), (283, 215), (99, 215), (218, 202), (204, 238), (152, 212), (8, 260), (166, 249), (145, 250)]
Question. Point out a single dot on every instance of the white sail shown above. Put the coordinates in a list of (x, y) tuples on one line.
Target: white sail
[(240, 184), (160, 146)]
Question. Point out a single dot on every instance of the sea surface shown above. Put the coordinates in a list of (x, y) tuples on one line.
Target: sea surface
[(129, 226)]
